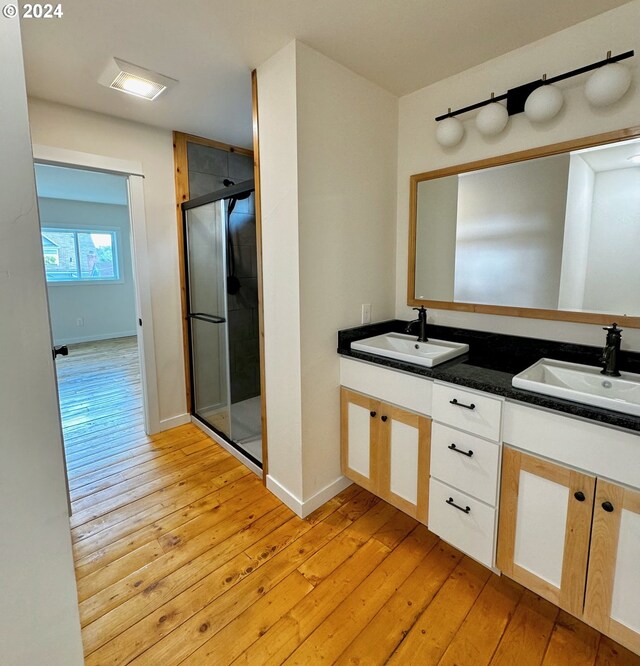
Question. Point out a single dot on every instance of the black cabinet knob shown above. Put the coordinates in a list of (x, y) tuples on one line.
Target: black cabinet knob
[(372, 414), (579, 496), (384, 418), (607, 506)]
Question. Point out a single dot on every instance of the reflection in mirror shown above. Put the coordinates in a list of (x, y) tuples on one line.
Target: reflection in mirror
[(553, 233)]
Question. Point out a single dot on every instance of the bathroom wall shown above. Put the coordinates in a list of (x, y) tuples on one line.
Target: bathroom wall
[(615, 227), (107, 310), (277, 95), (74, 129), (418, 150), (509, 246), (436, 254), (327, 154), (40, 622), (577, 229)]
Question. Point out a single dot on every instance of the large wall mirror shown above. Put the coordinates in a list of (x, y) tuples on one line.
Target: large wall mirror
[(551, 233)]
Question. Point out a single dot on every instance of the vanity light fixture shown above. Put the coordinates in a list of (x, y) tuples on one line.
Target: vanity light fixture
[(134, 80), (540, 100)]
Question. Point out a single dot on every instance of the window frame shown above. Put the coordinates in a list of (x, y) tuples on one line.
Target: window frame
[(116, 248)]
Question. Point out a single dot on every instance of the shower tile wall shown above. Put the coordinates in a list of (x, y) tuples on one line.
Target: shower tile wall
[(208, 167)]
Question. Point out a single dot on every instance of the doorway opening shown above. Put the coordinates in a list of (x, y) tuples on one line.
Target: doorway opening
[(220, 259), (86, 234)]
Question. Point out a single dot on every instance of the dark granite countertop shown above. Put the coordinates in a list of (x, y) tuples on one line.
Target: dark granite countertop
[(492, 361)]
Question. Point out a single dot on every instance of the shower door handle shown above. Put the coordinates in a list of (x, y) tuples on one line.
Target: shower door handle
[(203, 316)]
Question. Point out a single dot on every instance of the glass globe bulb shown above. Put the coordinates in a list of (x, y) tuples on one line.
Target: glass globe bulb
[(449, 132), (492, 119), (543, 103), (607, 84)]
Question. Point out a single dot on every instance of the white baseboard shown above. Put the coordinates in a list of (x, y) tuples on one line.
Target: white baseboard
[(303, 509), (227, 447), (284, 495), (174, 422), (95, 338)]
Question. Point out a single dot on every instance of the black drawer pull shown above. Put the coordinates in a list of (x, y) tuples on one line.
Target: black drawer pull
[(384, 418), (450, 502), (461, 404), (607, 506), (579, 495), (453, 447), (372, 414)]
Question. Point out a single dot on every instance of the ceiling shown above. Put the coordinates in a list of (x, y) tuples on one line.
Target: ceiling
[(610, 158), (211, 47)]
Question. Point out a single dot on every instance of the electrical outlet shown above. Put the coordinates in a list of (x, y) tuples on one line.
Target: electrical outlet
[(366, 313), (79, 321)]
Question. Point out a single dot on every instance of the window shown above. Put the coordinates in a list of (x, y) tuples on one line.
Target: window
[(74, 255)]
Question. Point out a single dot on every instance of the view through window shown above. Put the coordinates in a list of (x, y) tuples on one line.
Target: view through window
[(80, 255)]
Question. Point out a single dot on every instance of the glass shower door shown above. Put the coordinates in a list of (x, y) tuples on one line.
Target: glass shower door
[(205, 240)]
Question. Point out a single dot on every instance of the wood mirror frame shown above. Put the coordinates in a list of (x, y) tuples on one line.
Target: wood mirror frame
[(511, 311)]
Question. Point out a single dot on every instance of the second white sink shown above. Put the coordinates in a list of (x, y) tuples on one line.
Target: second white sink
[(406, 348), (582, 383)]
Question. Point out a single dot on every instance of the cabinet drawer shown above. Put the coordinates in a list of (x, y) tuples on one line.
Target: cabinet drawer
[(474, 412), (472, 532), (392, 386), (475, 474), (597, 449)]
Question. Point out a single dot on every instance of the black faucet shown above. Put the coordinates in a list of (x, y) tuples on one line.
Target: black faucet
[(422, 322), (611, 351)]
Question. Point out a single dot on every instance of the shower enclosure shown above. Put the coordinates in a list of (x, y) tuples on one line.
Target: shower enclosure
[(222, 302)]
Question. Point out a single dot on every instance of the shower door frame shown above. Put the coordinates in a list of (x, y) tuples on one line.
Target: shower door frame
[(181, 179), (222, 438)]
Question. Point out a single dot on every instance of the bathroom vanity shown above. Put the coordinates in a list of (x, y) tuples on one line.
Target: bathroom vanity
[(543, 489)]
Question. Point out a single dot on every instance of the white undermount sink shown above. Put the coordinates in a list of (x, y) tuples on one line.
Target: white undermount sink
[(582, 383), (407, 348)]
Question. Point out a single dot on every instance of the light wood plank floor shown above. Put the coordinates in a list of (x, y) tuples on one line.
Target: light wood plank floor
[(182, 557)]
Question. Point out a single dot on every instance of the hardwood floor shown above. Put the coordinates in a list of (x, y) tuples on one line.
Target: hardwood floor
[(183, 557)]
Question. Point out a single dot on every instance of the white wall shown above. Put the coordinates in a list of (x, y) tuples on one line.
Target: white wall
[(327, 155), (614, 271), (280, 267), (509, 234), (437, 214), (73, 129), (418, 150), (108, 310), (347, 139), (38, 604), (577, 226)]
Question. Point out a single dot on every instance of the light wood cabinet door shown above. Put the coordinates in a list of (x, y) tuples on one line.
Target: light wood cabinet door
[(404, 453), (386, 450), (545, 523), (359, 438), (612, 602)]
